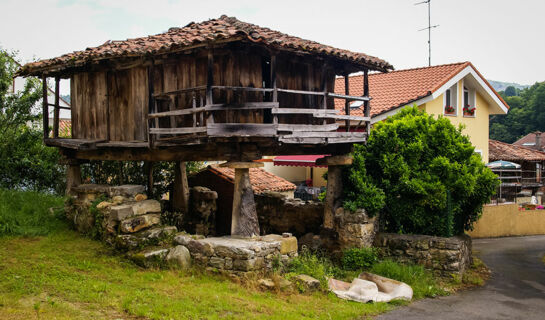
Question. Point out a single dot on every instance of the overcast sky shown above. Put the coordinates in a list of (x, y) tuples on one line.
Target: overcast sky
[(504, 39)]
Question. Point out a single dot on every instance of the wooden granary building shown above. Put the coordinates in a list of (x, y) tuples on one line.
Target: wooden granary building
[(221, 89)]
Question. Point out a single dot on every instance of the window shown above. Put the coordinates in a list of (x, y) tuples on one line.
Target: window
[(469, 102), (450, 101)]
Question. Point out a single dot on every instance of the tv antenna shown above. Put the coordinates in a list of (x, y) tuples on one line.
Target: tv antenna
[(428, 28)]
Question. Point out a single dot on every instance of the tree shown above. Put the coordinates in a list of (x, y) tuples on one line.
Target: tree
[(526, 114), (510, 91), (432, 180), (25, 162)]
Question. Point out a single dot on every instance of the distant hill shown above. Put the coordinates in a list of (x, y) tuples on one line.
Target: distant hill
[(500, 86), (66, 97)]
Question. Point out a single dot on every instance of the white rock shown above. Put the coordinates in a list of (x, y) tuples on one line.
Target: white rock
[(179, 256), (371, 287)]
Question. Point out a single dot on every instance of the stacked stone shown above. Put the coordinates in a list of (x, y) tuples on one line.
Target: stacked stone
[(239, 255), (444, 256)]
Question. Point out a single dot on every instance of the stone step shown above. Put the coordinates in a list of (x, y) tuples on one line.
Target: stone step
[(144, 238), (175, 257), (128, 210), (134, 224)]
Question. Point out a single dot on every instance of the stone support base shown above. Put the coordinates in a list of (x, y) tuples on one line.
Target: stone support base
[(244, 221), (239, 255)]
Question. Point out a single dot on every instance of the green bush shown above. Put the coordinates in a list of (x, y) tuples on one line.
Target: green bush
[(359, 258), (421, 281), (26, 213), (422, 174)]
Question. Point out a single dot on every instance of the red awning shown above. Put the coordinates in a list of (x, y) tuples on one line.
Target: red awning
[(299, 161)]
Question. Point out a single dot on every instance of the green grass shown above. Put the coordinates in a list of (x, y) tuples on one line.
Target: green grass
[(63, 275), (421, 280), (29, 214)]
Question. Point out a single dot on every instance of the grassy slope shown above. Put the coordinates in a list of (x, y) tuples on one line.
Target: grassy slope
[(63, 275)]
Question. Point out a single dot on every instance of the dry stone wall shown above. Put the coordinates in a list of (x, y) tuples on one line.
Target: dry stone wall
[(278, 214), (124, 218), (442, 255)]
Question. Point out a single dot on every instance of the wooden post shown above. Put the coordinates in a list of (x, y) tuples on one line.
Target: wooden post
[(209, 84), (366, 104), (273, 85), (56, 111), (334, 189), (347, 102), (73, 176), (151, 103), (148, 167), (244, 221), (45, 107), (180, 190), (324, 89)]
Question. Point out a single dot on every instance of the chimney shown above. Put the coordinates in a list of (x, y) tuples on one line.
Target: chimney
[(538, 140)]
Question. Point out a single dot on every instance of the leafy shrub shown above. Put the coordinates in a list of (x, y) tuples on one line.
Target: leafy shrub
[(422, 174), (359, 258), (421, 281), (27, 213)]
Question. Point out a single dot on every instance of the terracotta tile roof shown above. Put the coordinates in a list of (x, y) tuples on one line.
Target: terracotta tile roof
[(398, 88), (197, 34), (498, 150), (529, 138), (260, 179), (65, 128)]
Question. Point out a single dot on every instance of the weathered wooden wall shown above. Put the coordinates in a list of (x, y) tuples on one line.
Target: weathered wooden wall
[(112, 105)]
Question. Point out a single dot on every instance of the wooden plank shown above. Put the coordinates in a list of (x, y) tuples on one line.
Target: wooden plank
[(107, 97), (307, 127), (323, 84), (122, 144), (343, 96), (241, 106), (45, 108), (177, 130), (56, 110), (243, 88), (273, 85), (209, 84), (334, 134), (240, 129), (303, 92), (179, 91), (60, 107), (176, 112), (302, 111), (341, 117), (151, 103), (77, 144), (310, 140)]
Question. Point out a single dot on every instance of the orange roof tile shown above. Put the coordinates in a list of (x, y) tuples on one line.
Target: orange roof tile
[(498, 150), (206, 32), (260, 179), (398, 88)]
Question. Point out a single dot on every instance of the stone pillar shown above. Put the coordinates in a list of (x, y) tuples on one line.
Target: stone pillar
[(244, 220), (73, 175), (180, 190), (334, 188)]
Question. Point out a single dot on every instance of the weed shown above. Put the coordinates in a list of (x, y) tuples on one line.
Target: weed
[(359, 258), (421, 280)]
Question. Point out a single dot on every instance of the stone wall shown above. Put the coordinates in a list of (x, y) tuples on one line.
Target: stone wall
[(123, 218), (445, 256), (278, 214), (239, 255)]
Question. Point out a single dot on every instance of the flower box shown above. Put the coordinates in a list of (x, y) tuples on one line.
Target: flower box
[(469, 111), (449, 110)]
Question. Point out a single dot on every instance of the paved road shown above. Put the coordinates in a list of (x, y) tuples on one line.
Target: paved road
[(516, 289)]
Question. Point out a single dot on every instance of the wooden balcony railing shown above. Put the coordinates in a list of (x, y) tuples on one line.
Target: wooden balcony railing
[(306, 132)]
